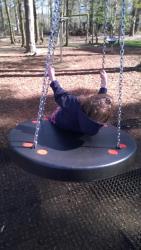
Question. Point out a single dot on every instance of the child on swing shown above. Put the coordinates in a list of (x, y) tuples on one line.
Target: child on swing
[(81, 114)]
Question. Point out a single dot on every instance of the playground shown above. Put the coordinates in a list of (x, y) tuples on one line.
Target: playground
[(37, 213)]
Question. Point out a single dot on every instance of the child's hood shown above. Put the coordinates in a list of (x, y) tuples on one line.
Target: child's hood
[(87, 126)]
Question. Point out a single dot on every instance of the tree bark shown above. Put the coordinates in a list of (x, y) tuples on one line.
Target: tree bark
[(50, 11), (17, 18), (41, 25), (41, 32), (36, 27), (92, 20), (67, 23), (138, 23), (20, 8), (9, 23), (133, 22), (2, 17), (29, 27)]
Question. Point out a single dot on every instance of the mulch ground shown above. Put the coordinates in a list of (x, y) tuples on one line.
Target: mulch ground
[(21, 78)]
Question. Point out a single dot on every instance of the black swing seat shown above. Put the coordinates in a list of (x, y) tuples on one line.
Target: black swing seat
[(111, 40), (62, 155)]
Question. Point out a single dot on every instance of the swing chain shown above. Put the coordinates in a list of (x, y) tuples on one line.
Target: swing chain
[(122, 35), (105, 32), (49, 60)]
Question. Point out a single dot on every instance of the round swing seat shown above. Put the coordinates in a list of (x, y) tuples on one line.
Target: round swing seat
[(62, 155), (111, 40)]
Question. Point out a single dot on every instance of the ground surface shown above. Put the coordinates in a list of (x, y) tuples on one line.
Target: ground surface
[(41, 214)]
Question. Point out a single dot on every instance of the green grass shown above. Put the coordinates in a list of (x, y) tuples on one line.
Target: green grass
[(133, 43)]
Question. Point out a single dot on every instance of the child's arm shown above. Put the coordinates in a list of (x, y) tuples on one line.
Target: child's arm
[(62, 97), (103, 87)]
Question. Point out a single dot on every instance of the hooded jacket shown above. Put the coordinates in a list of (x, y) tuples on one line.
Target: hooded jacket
[(69, 115)]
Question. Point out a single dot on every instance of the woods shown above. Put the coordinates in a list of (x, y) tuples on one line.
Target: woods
[(28, 21)]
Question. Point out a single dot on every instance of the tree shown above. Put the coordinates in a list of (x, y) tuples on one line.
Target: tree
[(29, 26), (36, 23), (92, 21), (67, 23), (9, 23), (138, 15), (50, 8), (42, 21), (16, 16), (96, 17), (20, 8), (135, 17), (2, 16)]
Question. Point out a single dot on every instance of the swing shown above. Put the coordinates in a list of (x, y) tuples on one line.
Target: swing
[(111, 40), (45, 150)]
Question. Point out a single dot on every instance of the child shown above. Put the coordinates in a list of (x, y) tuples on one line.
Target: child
[(83, 114)]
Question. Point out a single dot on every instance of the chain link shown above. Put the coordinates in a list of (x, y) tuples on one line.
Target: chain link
[(122, 35), (105, 32), (49, 60)]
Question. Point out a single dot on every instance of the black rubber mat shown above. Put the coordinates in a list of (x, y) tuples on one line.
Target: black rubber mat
[(38, 214)]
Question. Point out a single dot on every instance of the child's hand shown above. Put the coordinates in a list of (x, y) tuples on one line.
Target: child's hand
[(51, 73), (103, 76)]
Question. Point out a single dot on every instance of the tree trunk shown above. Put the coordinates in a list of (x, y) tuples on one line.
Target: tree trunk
[(67, 23), (138, 22), (114, 17), (29, 26), (41, 27), (96, 33), (50, 11), (2, 17), (92, 20), (9, 23), (87, 29), (17, 18), (20, 8), (90, 16), (133, 23), (36, 23), (41, 32), (133, 26), (61, 41)]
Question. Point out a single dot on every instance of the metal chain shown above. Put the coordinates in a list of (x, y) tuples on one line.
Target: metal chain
[(122, 35), (105, 33), (49, 60)]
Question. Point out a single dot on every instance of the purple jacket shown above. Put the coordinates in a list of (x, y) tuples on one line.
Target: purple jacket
[(69, 114)]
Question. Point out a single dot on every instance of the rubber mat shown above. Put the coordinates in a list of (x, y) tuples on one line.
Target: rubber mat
[(39, 214)]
